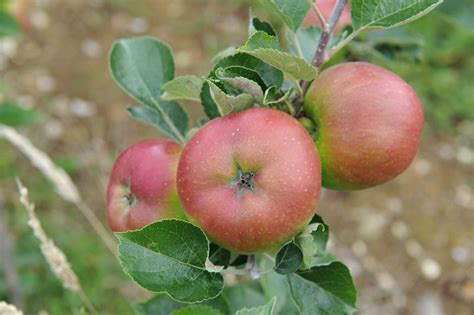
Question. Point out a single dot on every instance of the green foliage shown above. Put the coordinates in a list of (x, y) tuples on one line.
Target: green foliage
[(14, 115), (266, 309), (324, 290), (8, 25), (197, 310), (312, 241), (276, 285), (187, 87), (141, 66), (175, 257), (380, 14), (266, 48), (288, 259), (245, 295), (170, 256), (292, 12), (460, 12), (256, 25)]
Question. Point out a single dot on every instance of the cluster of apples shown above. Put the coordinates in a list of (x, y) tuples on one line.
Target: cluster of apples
[(251, 180)]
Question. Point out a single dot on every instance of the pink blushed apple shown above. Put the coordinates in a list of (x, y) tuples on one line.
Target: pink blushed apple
[(251, 179), (369, 123), (142, 186)]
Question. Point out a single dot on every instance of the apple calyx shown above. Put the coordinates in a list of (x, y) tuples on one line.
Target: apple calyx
[(128, 199), (245, 181)]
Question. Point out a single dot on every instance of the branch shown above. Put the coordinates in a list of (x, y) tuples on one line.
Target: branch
[(327, 33), (328, 30)]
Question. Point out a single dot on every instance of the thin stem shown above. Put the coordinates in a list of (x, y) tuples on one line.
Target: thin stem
[(252, 267), (320, 54), (319, 14), (329, 28), (297, 45)]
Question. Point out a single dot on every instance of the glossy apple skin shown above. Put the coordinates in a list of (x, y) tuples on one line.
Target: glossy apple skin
[(287, 170), (369, 123), (142, 185), (326, 7)]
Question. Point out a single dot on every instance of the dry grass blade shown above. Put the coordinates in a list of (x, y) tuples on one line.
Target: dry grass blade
[(54, 256), (8, 309), (63, 184)]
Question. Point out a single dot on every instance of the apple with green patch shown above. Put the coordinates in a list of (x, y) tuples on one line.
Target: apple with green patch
[(368, 124)]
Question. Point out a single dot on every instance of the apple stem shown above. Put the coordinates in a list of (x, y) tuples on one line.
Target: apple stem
[(252, 267)]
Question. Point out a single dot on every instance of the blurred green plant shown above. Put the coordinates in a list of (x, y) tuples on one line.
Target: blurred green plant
[(15, 115)]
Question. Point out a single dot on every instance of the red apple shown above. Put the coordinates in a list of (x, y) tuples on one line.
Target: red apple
[(369, 123), (251, 179), (326, 7), (142, 186)]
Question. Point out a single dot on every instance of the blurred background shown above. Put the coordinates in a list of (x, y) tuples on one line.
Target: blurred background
[(409, 243)]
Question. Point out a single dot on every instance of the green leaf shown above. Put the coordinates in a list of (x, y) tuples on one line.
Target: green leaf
[(324, 290), (229, 51), (262, 40), (219, 256), (459, 11), (276, 285), (197, 310), (321, 233), (381, 14), (308, 39), (312, 241), (242, 84), (8, 25), (395, 45), (266, 48), (237, 71), (270, 75), (239, 260), (288, 259), (151, 116), (266, 309), (243, 295), (12, 114), (169, 256), (292, 12), (207, 102), (257, 25), (227, 104), (162, 304), (141, 66), (187, 87)]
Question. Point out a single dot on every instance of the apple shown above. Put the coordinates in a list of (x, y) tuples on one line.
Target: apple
[(251, 179), (369, 123), (326, 7), (142, 186)]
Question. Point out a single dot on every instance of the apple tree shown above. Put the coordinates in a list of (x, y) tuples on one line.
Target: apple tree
[(221, 218)]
